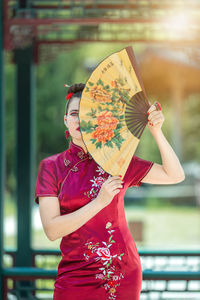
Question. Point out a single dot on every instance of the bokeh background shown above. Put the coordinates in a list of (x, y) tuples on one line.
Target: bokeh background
[(63, 41)]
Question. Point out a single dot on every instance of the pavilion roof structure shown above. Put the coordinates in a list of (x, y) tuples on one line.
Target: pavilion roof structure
[(66, 22)]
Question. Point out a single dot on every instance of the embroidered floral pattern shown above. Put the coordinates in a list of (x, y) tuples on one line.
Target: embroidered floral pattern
[(109, 270), (96, 184)]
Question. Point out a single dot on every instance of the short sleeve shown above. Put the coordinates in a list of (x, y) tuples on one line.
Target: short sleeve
[(46, 182), (137, 170)]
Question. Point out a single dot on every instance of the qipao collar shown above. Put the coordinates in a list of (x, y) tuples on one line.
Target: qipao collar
[(78, 151)]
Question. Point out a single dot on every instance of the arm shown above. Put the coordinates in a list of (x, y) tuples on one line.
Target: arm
[(170, 171), (57, 226)]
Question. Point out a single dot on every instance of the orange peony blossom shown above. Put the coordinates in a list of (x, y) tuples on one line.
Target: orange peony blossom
[(100, 95), (102, 135), (107, 120)]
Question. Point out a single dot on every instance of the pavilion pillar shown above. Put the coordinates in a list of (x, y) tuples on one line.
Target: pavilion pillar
[(2, 147), (25, 153)]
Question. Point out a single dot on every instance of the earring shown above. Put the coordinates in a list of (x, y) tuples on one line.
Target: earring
[(67, 134)]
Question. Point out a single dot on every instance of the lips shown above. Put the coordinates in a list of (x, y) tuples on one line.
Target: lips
[(78, 128)]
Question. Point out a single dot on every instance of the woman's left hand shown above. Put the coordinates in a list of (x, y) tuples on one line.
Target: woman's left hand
[(155, 119)]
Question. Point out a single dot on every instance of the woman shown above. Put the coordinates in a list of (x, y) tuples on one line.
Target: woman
[(80, 203)]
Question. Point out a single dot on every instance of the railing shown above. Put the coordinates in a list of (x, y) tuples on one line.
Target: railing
[(174, 273)]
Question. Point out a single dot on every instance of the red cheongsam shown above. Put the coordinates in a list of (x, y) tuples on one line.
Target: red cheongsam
[(100, 260)]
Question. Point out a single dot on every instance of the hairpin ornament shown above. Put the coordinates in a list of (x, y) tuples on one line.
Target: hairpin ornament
[(69, 94)]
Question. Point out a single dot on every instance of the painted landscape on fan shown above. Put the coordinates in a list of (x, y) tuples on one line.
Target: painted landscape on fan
[(113, 112)]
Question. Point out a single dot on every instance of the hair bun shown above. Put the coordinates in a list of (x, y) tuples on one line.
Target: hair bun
[(75, 88)]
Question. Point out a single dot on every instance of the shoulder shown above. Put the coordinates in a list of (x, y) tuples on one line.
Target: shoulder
[(55, 159)]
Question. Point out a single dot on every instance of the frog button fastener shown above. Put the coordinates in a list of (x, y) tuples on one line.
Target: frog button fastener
[(74, 169), (67, 162)]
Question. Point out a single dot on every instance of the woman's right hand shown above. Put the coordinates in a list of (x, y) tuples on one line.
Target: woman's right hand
[(109, 189)]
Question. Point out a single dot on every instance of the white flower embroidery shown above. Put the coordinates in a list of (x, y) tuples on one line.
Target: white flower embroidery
[(108, 270), (104, 253), (108, 225), (97, 181), (100, 170), (93, 192), (96, 184)]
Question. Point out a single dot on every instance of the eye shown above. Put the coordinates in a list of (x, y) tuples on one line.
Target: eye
[(74, 114)]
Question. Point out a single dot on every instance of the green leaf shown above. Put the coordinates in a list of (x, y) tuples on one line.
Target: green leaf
[(90, 83), (100, 82), (98, 145), (122, 254), (117, 143), (87, 126), (110, 238), (109, 144), (93, 141), (92, 113)]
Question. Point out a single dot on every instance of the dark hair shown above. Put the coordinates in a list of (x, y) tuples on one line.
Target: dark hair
[(77, 89)]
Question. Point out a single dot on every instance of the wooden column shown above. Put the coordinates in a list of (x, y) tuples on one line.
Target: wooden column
[(25, 156), (2, 147)]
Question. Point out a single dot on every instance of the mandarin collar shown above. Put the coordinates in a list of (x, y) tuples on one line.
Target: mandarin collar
[(78, 151)]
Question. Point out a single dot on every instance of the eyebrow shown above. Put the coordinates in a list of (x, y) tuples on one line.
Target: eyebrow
[(73, 110)]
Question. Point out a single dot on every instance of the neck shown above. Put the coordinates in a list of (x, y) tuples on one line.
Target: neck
[(80, 143)]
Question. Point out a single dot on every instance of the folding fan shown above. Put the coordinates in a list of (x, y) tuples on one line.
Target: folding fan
[(113, 111)]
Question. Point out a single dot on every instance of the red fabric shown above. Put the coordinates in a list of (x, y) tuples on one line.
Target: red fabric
[(46, 183), (100, 259), (137, 170)]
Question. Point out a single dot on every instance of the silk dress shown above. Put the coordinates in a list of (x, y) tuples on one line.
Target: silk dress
[(99, 260)]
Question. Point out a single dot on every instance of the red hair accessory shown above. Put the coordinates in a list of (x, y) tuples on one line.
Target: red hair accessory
[(69, 96)]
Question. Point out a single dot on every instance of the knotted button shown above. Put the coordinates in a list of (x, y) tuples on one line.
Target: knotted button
[(74, 169), (82, 155), (67, 162)]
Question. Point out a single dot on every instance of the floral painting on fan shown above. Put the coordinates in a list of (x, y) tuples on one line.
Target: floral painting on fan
[(113, 111)]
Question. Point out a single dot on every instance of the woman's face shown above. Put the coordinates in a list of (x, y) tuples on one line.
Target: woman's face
[(71, 120)]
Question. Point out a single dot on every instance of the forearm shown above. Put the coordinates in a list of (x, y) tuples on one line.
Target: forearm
[(170, 161), (66, 224)]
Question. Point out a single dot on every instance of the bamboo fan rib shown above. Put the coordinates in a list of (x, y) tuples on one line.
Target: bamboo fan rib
[(136, 114)]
